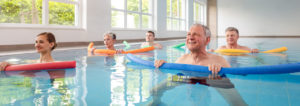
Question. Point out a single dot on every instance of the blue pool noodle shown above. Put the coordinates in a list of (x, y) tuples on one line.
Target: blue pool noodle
[(271, 69)]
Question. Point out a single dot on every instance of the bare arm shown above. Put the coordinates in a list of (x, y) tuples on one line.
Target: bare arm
[(245, 48), (158, 46), (251, 50), (216, 66), (225, 63), (158, 63), (219, 48)]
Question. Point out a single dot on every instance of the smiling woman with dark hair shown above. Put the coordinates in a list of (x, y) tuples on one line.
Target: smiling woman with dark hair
[(44, 44)]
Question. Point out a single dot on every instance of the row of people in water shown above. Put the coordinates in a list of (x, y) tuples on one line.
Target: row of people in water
[(45, 43), (110, 39), (198, 37)]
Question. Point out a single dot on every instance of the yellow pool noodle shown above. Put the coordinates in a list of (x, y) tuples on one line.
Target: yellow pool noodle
[(281, 49)]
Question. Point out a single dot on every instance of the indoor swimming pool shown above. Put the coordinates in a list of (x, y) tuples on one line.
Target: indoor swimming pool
[(113, 80)]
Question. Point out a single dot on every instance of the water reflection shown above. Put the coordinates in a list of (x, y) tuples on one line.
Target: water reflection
[(221, 83), (129, 85), (45, 87)]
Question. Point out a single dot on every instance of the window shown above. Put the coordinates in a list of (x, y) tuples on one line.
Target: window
[(132, 14), (176, 15), (44, 12), (199, 12)]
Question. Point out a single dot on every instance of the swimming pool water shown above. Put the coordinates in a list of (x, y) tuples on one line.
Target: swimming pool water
[(112, 80)]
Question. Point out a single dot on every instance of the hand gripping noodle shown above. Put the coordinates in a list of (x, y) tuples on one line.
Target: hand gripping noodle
[(106, 51), (42, 66), (271, 69)]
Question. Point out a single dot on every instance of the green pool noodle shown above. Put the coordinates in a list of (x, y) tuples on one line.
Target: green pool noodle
[(179, 45), (146, 46), (127, 46)]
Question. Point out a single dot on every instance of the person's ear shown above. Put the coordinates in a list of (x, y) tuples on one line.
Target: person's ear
[(51, 45), (207, 40)]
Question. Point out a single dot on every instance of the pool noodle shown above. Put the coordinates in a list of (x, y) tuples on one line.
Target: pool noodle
[(179, 45), (127, 46), (106, 51), (232, 51), (42, 66), (271, 69), (276, 50), (281, 49), (146, 49), (44, 74)]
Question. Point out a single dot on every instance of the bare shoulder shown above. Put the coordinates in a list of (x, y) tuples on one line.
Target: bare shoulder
[(158, 45), (220, 60), (214, 56), (244, 48), (182, 58), (222, 47)]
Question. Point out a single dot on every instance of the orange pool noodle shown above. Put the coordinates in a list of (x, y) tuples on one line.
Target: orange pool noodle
[(106, 51)]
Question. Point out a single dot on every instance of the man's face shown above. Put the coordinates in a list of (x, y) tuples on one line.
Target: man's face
[(149, 37), (232, 37), (196, 39)]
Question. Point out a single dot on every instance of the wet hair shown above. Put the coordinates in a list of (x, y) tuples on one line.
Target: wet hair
[(205, 29), (152, 33), (232, 29), (113, 35), (50, 38)]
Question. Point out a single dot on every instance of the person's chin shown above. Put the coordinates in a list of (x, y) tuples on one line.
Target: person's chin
[(230, 42), (193, 49), (107, 46), (38, 51), (190, 47)]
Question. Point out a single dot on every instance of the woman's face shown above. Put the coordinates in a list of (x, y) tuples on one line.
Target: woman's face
[(42, 45), (109, 41)]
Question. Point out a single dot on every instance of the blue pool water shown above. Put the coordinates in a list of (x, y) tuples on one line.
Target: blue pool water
[(112, 80)]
